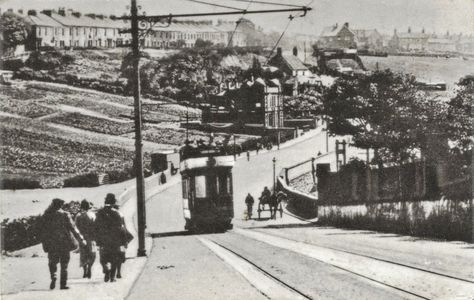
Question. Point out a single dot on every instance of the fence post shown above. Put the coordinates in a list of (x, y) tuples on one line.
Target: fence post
[(313, 170)]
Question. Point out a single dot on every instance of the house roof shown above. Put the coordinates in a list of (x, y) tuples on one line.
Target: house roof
[(413, 35), (42, 20), (330, 31), (86, 21), (294, 62), (185, 27)]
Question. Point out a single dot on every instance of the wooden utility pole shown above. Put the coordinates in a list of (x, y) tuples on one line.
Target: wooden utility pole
[(141, 214)]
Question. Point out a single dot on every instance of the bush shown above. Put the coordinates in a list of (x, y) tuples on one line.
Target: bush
[(83, 180), (25, 232), (19, 184), (12, 64), (48, 60), (117, 176)]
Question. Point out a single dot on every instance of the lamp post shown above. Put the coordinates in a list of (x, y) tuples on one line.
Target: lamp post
[(274, 180)]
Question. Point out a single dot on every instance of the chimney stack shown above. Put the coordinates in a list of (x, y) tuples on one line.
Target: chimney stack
[(20, 11), (31, 12), (279, 53), (47, 12), (62, 11), (346, 25)]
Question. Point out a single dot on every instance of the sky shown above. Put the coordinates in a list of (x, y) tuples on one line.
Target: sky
[(437, 16)]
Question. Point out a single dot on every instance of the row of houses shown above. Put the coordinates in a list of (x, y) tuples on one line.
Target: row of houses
[(345, 37), (67, 28)]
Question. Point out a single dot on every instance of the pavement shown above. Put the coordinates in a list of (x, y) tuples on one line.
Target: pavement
[(18, 283)]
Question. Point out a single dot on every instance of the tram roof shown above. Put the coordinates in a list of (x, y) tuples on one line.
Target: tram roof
[(206, 162)]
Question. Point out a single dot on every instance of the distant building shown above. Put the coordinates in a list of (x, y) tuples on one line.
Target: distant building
[(465, 44), (435, 44), (66, 28), (299, 78), (289, 64), (409, 41), (256, 102), (368, 39), (337, 37)]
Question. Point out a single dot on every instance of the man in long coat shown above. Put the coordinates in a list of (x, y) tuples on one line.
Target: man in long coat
[(59, 235), (109, 237)]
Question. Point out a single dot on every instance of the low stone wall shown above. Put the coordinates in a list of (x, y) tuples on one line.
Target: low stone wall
[(298, 203), (442, 219)]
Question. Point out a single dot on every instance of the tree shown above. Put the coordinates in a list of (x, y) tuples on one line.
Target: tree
[(304, 105), (385, 111), (460, 115), (200, 43), (13, 28), (180, 44)]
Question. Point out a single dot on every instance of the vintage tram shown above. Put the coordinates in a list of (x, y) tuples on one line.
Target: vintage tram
[(206, 173)]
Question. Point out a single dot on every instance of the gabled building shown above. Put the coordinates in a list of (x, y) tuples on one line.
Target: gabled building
[(291, 65), (368, 39), (337, 37)]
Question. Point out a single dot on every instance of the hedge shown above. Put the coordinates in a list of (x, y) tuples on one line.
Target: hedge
[(25, 232), (19, 184)]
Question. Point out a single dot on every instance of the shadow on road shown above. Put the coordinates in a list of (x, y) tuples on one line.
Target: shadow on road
[(279, 226), (171, 233)]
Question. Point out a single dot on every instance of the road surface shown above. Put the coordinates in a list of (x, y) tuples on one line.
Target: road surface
[(291, 259)]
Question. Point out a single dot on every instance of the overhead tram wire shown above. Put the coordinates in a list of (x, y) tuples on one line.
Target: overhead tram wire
[(269, 3), (281, 36), (237, 24), (216, 5)]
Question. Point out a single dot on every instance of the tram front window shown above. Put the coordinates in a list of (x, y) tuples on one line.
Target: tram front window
[(200, 186)]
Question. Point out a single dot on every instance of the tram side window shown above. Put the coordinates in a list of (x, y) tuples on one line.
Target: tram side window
[(200, 186), (224, 186)]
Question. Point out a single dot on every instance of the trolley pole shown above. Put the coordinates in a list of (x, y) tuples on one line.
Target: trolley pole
[(141, 214)]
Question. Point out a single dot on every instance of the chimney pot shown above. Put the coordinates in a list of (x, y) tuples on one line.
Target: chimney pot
[(47, 12), (31, 12), (279, 51), (346, 24), (20, 11)]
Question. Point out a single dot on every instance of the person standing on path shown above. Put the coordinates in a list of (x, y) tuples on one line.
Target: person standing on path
[(85, 223), (59, 237), (248, 155), (249, 201), (108, 228)]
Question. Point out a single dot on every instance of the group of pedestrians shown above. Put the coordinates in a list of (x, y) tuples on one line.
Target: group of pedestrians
[(104, 230)]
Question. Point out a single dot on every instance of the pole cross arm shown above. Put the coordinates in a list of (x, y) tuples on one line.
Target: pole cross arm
[(157, 18)]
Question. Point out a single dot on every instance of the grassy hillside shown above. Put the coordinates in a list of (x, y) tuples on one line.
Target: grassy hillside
[(50, 132)]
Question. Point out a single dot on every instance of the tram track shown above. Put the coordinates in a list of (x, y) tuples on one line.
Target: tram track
[(376, 258), (269, 285), (411, 280)]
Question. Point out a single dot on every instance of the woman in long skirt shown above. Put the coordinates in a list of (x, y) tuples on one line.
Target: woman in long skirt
[(85, 223)]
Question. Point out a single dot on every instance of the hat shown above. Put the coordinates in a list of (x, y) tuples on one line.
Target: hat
[(85, 204), (110, 199), (57, 203)]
